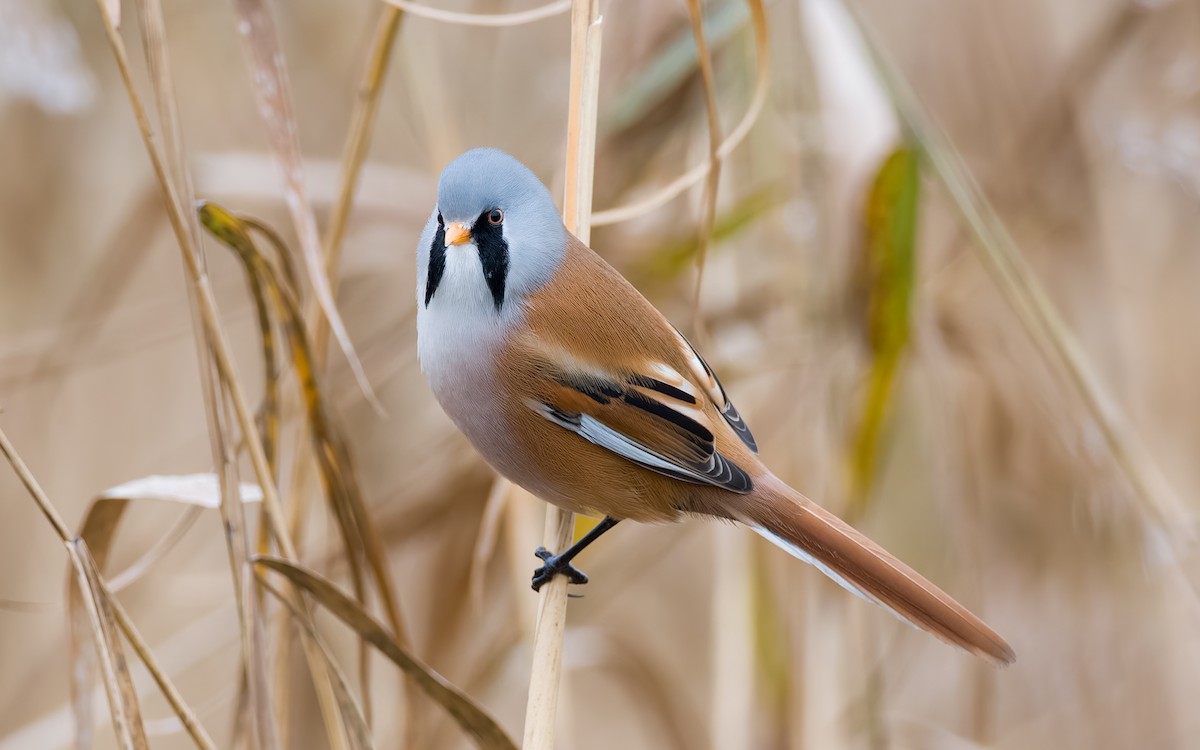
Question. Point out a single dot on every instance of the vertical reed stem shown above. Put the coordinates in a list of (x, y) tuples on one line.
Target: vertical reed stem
[(586, 26)]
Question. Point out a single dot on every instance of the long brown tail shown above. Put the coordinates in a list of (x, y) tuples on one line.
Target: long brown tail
[(813, 534)]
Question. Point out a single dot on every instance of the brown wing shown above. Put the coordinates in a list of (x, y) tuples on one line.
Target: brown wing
[(610, 368)]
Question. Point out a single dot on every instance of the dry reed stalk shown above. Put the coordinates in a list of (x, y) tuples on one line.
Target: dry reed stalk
[(226, 370), (272, 91), (709, 211), (153, 34), (582, 106), (492, 20), (1019, 285), (357, 729), (675, 188), (118, 683), (358, 142), (328, 444), (265, 284), (95, 595), (485, 542), (541, 708), (469, 715)]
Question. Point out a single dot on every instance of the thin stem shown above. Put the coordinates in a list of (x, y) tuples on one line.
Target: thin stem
[(709, 210), (694, 175), (182, 710), (1017, 282), (582, 105), (358, 142), (31, 484), (546, 671), (495, 20), (223, 360)]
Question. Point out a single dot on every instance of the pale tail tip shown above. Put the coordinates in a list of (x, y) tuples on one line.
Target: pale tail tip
[(998, 653), (1007, 658)]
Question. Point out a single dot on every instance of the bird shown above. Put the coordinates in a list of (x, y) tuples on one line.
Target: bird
[(575, 387)]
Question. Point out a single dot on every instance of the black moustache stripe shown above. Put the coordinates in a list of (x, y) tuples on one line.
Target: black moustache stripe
[(437, 263), (493, 256)]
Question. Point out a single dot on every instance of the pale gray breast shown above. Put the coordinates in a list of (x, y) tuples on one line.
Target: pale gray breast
[(458, 336)]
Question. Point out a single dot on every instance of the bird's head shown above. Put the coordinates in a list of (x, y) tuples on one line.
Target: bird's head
[(494, 236)]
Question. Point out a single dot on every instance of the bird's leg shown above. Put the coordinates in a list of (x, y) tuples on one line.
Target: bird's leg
[(561, 563)]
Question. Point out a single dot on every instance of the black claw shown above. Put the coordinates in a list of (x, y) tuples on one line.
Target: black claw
[(555, 565), (560, 564)]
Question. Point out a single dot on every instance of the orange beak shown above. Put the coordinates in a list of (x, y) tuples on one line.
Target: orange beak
[(458, 234)]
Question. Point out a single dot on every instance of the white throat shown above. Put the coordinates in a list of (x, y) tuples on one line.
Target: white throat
[(460, 328)]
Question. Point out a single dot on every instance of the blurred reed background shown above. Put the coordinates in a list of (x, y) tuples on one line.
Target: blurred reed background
[(859, 299)]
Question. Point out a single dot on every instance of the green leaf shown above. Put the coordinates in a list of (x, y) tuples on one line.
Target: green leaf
[(887, 273)]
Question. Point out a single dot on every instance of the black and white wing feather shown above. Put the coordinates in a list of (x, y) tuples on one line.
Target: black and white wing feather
[(644, 419), (705, 376)]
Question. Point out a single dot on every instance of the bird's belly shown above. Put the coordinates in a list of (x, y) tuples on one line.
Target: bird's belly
[(462, 375), (548, 461), (462, 365), (471, 401)]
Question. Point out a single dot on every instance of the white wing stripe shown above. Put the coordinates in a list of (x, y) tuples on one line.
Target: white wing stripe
[(721, 472)]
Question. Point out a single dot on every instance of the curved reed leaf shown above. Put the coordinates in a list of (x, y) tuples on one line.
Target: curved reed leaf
[(333, 456), (470, 715), (91, 611), (97, 531), (273, 92), (357, 730), (494, 20), (359, 536), (87, 589)]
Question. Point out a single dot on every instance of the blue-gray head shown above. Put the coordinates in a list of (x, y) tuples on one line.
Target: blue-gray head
[(494, 236)]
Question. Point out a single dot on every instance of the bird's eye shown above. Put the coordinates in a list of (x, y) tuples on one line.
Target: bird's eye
[(496, 216), (440, 222)]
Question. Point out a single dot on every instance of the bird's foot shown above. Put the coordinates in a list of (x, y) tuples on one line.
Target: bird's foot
[(555, 565)]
